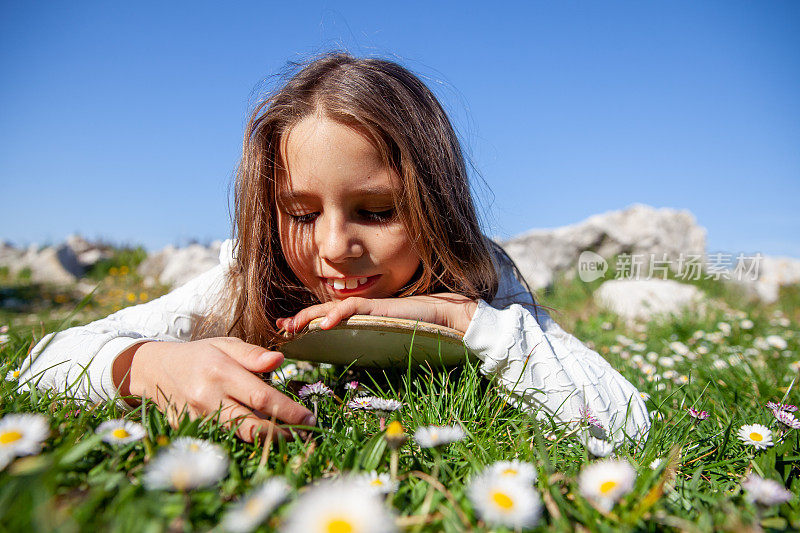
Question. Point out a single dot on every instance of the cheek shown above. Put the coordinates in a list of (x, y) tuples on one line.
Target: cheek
[(298, 255), (401, 254)]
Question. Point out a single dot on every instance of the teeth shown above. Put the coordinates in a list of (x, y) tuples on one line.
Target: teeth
[(350, 283)]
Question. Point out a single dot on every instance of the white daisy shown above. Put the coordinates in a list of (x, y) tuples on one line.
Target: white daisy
[(725, 328), (599, 447), (777, 342), (182, 467), (385, 406), (339, 506), (795, 366), (380, 483), (605, 482), (361, 403), (433, 436), (746, 324), (4, 339), (719, 364), (120, 431), (22, 434), (352, 386), (505, 501), (13, 375), (285, 373), (765, 491), (756, 435), (251, 511), (679, 348), (655, 463), (521, 470)]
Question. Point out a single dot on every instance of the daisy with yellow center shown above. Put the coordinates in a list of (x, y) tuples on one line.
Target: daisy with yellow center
[(253, 509), (380, 483), (120, 431), (21, 434), (342, 506), (13, 375), (505, 500), (521, 470), (435, 436), (178, 467), (604, 482), (756, 435)]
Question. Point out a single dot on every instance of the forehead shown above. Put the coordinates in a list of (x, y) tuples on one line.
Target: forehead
[(320, 153)]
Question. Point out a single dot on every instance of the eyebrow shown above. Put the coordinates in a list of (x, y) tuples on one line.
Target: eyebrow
[(294, 195)]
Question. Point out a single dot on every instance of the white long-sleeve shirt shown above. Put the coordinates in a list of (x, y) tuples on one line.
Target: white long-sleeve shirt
[(543, 368)]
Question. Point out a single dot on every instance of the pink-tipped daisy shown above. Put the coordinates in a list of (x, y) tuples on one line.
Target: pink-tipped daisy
[(786, 418), (699, 415), (773, 406), (315, 391)]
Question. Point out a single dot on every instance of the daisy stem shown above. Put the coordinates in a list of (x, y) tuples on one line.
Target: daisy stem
[(426, 504), (315, 409), (393, 460), (382, 423)]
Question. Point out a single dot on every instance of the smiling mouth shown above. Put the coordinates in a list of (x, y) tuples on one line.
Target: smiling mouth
[(346, 285)]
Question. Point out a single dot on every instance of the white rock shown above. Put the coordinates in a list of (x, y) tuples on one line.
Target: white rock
[(772, 274), (639, 229), (175, 266), (645, 299)]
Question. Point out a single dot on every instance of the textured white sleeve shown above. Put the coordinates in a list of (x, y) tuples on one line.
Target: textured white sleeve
[(544, 367), (79, 360)]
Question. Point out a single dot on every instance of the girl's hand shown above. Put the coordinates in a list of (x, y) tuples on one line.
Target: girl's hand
[(451, 310), (206, 375)]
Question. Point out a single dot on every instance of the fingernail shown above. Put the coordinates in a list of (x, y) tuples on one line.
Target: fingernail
[(310, 420)]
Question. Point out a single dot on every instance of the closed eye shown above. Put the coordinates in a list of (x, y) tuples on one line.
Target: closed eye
[(377, 216), (304, 218)]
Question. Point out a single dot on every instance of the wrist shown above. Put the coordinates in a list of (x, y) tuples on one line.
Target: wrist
[(461, 315), (128, 371)]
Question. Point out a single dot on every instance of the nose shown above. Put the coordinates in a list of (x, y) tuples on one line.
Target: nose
[(338, 240)]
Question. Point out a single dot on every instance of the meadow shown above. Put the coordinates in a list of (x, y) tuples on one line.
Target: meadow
[(708, 376)]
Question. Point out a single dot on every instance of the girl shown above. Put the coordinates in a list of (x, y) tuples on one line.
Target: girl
[(351, 198)]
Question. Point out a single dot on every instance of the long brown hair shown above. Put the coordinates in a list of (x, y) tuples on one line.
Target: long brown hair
[(415, 138)]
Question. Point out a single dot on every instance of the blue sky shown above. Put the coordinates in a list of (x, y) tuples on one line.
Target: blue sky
[(124, 121)]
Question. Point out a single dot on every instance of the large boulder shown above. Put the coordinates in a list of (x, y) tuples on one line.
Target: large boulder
[(175, 266), (52, 264), (643, 300), (639, 229)]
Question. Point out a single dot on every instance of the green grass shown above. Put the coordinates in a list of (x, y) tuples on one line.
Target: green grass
[(78, 483)]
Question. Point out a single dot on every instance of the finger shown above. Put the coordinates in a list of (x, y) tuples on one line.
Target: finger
[(250, 391), (346, 309), (253, 358), (248, 424), (302, 318)]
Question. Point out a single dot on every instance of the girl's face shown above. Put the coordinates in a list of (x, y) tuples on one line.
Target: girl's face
[(339, 229)]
